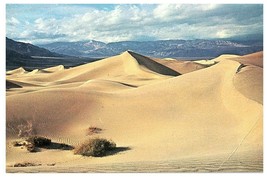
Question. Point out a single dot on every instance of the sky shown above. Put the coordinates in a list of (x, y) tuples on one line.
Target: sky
[(47, 23)]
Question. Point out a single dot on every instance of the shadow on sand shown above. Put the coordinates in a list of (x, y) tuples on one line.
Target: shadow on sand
[(116, 151), (60, 146)]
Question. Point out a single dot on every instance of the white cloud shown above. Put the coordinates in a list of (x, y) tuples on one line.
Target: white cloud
[(13, 21), (132, 22), (166, 11), (210, 7), (223, 34)]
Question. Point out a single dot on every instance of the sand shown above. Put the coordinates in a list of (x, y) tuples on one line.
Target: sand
[(181, 66), (168, 115)]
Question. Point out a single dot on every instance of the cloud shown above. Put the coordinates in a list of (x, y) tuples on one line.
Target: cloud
[(135, 22), (13, 21)]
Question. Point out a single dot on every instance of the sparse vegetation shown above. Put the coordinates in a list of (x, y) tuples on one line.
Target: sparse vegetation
[(33, 144), (25, 164), (93, 130), (96, 147), (38, 141), (51, 164)]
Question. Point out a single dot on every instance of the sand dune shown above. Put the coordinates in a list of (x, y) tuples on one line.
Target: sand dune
[(54, 69), (249, 82), (225, 56), (152, 65), (206, 62), (164, 115), (122, 65), (10, 85), (249, 77), (251, 59), (181, 66), (255, 59), (16, 71)]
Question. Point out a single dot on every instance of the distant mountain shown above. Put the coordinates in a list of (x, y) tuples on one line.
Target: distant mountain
[(27, 49), (19, 54), (247, 37), (14, 58), (161, 48), (75, 48)]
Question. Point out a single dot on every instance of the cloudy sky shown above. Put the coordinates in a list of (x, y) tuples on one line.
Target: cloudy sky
[(120, 22)]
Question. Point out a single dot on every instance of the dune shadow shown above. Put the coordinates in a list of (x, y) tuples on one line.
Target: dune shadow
[(240, 68), (128, 85), (60, 146), (10, 85), (153, 65), (117, 150), (44, 71)]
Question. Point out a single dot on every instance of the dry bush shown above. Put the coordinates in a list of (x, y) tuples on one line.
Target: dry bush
[(96, 147), (34, 142)]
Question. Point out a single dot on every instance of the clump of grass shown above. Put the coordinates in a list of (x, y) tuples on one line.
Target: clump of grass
[(96, 147)]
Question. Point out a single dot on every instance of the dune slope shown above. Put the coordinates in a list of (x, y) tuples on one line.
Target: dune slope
[(180, 66), (249, 75)]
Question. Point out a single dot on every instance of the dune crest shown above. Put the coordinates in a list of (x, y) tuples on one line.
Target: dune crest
[(251, 59), (152, 65), (182, 66), (54, 69), (16, 71)]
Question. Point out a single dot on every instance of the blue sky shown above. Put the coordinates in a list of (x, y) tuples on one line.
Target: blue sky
[(44, 23)]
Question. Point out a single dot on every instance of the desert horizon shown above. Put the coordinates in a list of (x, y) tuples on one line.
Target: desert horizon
[(165, 102)]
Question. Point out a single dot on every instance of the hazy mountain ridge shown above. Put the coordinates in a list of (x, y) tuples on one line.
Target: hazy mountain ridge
[(28, 49), (19, 54), (161, 48)]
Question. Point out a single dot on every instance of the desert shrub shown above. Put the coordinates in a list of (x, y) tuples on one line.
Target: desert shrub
[(38, 141), (25, 164), (96, 147), (93, 130), (34, 143)]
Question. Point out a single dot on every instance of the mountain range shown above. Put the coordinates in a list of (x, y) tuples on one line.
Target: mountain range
[(71, 54), (160, 48), (28, 50), (20, 54)]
